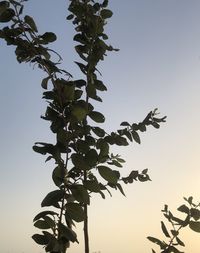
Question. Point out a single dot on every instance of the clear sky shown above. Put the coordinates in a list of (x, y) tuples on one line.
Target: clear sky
[(158, 65)]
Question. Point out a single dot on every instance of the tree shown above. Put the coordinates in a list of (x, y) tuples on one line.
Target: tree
[(191, 211), (84, 162)]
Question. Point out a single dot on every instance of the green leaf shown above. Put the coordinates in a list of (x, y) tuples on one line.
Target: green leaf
[(58, 175), (91, 157), (92, 185), (79, 161), (75, 211), (105, 3), (124, 123), (121, 189), (80, 194), (180, 242), (183, 209), (79, 112), (53, 198), (3, 6), (98, 131), (40, 239), (136, 137), (195, 226), (69, 17), (48, 37), (99, 85), (164, 229), (105, 13), (97, 116), (29, 20), (42, 224), (67, 233), (7, 15), (45, 82), (156, 241), (43, 214), (108, 174), (195, 213), (82, 146)]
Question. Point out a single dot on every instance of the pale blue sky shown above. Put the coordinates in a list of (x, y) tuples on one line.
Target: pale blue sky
[(158, 65)]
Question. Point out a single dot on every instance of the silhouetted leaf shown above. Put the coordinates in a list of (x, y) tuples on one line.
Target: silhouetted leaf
[(92, 185), (45, 82), (183, 209), (108, 174), (124, 123), (29, 20), (79, 112), (136, 137), (69, 17), (67, 233), (97, 116), (180, 242), (75, 211), (49, 37), (40, 239), (43, 214), (7, 15), (164, 229), (195, 226), (80, 194), (105, 13), (52, 198), (195, 213), (98, 131), (79, 161)]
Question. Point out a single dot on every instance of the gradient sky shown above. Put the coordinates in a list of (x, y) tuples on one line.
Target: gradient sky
[(158, 66)]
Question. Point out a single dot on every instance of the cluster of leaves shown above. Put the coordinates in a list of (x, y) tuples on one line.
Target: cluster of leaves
[(191, 220), (84, 163)]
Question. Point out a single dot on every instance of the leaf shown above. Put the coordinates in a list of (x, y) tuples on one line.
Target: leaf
[(29, 20), (82, 67), (108, 174), (79, 112), (43, 214), (136, 137), (98, 131), (121, 189), (124, 123), (183, 209), (7, 15), (40, 239), (195, 213), (156, 241), (75, 211), (53, 198), (79, 161), (99, 85), (195, 226), (97, 116), (91, 157), (180, 242), (3, 6), (105, 3), (69, 17), (80, 194), (45, 82), (92, 185), (164, 229), (42, 224), (105, 13), (67, 233), (58, 175), (48, 37)]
